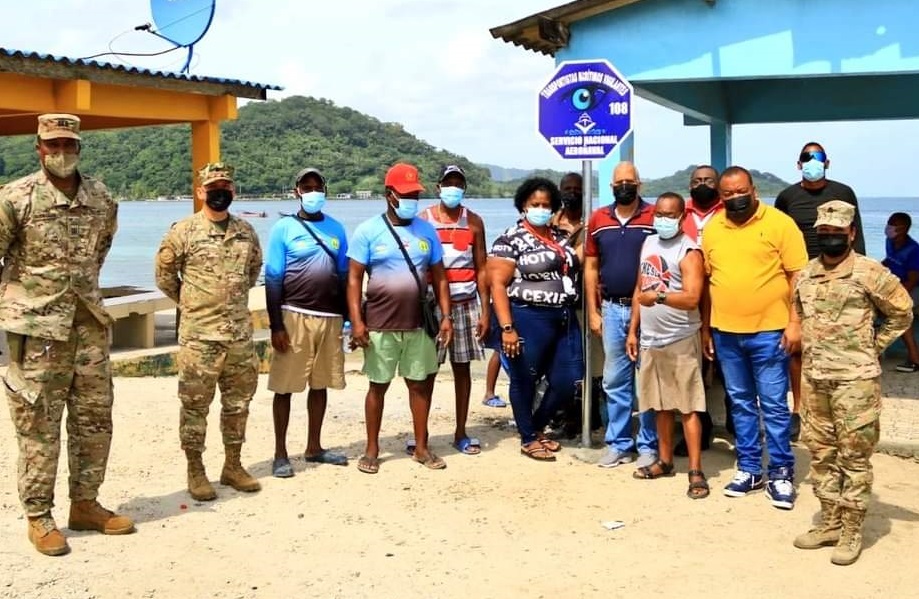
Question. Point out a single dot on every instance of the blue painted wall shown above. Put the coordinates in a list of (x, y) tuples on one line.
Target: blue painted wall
[(687, 39)]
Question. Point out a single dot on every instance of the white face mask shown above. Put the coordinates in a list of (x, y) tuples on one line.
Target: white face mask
[(62, 165)]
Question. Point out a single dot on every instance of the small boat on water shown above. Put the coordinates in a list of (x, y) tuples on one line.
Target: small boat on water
[(251, 214)]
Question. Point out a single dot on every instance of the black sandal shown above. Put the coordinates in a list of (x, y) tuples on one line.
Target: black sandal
[(698, 489), (646, 472)]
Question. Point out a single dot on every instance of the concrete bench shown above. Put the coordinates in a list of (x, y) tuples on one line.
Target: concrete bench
[(135, 317)]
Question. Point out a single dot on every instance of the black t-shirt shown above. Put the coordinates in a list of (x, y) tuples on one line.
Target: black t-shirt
[(801, 205), (541, 277)]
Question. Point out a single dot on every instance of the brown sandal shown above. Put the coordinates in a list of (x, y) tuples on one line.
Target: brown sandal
[(698, 489), (538, 452), (550, 444), (648, 473)]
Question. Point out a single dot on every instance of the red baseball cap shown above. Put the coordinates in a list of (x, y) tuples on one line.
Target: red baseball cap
[(403, 178)]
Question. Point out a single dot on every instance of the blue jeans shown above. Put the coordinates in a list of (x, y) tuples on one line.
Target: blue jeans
[(756, 367), (619, 385), (551, 347)]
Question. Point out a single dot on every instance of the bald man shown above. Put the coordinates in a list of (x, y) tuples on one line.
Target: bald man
[(612, 252)]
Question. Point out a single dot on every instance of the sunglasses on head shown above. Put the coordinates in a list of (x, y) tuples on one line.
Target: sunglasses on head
[(812, 155)]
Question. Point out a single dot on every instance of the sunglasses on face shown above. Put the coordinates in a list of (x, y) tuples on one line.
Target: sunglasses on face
[(812, 155)]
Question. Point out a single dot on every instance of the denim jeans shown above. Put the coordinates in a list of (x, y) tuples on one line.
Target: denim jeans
[(551, 347), (755, 371), (619, 385)]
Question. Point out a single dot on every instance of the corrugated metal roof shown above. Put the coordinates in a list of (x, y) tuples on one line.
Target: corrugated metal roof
[(249, 89), (547, 31)]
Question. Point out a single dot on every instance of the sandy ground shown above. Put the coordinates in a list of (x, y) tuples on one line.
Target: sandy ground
[(494, 525)]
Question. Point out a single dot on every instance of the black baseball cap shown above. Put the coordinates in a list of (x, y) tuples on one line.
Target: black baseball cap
[(450, 169)]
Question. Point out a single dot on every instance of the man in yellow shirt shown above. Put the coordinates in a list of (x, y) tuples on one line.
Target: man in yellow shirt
[(752, 254)]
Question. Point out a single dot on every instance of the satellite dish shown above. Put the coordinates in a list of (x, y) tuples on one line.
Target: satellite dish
[(182, 22)]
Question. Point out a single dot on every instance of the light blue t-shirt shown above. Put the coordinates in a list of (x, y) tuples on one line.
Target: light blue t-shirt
[(392, 293), (298, 272)]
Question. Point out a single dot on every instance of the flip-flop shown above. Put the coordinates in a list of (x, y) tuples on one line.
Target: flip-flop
[(281, 468), (469, 446), (431, 461), (327, 457), (494, 401), (368, 465), (410, 447)]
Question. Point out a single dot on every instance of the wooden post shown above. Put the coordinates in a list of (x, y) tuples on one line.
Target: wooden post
[(205, 148)]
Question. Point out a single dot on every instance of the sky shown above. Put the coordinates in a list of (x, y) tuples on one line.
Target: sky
[(433, 66)]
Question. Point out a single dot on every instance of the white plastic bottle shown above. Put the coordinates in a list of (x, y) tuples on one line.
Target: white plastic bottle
[(346, 331)]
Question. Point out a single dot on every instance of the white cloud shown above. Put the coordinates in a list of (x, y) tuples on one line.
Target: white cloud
[(433, 66)]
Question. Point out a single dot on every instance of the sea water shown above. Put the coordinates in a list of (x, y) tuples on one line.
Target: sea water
[(141, 226)]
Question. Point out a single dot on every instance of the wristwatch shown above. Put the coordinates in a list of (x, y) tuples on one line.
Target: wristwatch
[(507, 328), (661, 297)]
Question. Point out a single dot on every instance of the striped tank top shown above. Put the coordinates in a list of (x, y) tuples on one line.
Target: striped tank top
[(457, 240)]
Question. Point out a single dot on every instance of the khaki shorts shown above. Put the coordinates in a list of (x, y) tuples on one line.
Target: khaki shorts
[(315, 356), (670, 377)]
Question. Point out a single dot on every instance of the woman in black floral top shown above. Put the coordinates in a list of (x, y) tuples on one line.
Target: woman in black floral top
[(532, 272)]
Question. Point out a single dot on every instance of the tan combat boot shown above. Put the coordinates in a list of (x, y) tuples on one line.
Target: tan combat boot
[(199, 487), (89, 515), (234, 474), (850, 540), (45, 536), (827, 532)]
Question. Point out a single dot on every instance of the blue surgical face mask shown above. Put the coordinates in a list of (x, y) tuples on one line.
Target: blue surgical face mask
[(813, 170), (407, 208), (452, 196), (666, 227), (312, 201), (538, 217)]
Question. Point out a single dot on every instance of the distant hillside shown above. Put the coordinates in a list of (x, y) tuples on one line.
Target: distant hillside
[(271, 141), (767, 184), (503, 174), (268, 144)]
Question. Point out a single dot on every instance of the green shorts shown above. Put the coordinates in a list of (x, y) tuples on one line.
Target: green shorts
[(412, 351)]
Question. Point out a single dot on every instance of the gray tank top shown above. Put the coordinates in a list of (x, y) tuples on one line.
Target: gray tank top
[(660, 271)]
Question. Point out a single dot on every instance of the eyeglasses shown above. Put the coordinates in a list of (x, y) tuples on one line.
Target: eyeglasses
[(812, 155)]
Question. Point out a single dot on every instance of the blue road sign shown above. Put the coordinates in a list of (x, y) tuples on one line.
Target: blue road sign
[(585, 109)]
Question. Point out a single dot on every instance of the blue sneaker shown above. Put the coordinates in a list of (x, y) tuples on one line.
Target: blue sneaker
[(781, 493), (743, 484)]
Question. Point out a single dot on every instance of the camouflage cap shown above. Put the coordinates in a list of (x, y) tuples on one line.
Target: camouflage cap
[(835, 213), (53, 126), (216, 171)]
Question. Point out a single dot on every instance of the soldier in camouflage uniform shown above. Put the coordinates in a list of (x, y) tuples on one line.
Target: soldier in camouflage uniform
[(207, 263), (838, 296), (56, 228)]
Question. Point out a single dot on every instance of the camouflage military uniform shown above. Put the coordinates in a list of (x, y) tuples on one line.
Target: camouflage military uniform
[(57, 332), (841, 371), (208, 272)]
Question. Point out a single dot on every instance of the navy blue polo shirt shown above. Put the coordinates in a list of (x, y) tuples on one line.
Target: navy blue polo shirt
[(617, 245)]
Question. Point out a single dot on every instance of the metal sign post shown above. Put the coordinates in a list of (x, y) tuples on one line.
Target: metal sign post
[(585, 111), (587, 387)]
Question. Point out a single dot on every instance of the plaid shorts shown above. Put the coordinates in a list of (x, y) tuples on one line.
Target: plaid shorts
[(465, 347)]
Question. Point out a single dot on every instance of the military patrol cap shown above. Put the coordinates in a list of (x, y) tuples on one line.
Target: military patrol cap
[(216, 171), (53, 126), (835, 213), (309, 171)]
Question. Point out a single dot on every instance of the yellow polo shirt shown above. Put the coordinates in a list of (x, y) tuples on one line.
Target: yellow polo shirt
[(747, 267)]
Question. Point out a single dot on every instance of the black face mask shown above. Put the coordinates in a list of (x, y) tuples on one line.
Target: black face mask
[(625, 193), (703, 196), (572, 201), (739, 209), (833, 245), (219, 200)]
